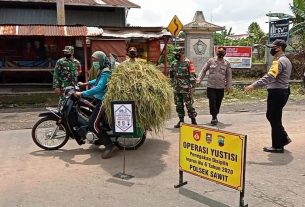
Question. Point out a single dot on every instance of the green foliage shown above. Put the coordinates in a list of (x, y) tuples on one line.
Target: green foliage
[(298, 29), (170, 57), (257, 38), (238, 94)]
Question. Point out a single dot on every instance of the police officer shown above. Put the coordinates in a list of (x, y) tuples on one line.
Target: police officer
[(277, 82), (219, 81), (65, 72), (183, 76)]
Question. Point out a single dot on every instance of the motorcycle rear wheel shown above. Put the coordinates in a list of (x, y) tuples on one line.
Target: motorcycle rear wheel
[(48, 134), (130, 143)]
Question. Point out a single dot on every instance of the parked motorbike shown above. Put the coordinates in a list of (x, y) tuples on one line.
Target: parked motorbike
[(56, 127)]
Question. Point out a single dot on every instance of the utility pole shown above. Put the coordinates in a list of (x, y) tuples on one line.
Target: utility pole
[(61, 19)]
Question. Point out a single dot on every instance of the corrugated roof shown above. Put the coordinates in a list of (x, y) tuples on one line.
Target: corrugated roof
[(49, 30), (97, 3), (134, 34)]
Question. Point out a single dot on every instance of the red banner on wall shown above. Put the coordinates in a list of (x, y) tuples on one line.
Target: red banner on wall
[(238, 56)]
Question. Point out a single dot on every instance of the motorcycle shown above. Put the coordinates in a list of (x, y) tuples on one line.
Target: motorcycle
[(57, 126)]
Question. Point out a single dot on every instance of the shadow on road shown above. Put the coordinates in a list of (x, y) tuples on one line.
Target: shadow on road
[(200, 198), (277, 159), (142, 163)]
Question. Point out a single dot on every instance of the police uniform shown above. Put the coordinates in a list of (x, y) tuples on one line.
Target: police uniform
[(277, 82), (220, 77)]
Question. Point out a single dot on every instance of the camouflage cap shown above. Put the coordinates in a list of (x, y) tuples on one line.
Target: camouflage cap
[(68, 50)]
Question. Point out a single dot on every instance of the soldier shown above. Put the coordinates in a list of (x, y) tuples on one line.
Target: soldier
[(184, 79), (65, 72)]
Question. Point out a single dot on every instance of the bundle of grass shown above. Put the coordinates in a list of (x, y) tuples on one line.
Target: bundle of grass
[(144, 84)]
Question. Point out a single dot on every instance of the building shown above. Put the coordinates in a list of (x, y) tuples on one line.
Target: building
[(102, 13), (34, 32)]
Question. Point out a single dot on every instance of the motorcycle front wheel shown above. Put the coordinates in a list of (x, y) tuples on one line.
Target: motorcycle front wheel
[(130, 143), (48, 134)]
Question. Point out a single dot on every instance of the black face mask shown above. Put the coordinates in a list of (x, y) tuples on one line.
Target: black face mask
[(177, 56), (132, 54), (273, 51), (68, 56), (220, 54)]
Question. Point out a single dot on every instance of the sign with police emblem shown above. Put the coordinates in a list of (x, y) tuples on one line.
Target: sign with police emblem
[(123, 117), (215, 155)]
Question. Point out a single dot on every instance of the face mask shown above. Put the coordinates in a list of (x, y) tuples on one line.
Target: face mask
[(68, 56), (220, 54), (177, 56), (96, 64), (273, 51), (132, 54)]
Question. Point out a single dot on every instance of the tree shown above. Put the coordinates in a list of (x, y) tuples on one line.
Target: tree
[(298, 8), (298, 38), (221, 38), (257, 37)]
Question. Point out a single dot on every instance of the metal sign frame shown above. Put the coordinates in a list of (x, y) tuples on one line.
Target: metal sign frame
[(244, 152), (131, 105)]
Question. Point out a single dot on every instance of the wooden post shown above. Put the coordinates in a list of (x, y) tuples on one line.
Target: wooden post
[(165, 57), (61, 19), (85, 58)]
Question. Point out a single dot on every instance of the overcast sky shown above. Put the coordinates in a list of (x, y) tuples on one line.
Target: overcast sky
[(238, 14)]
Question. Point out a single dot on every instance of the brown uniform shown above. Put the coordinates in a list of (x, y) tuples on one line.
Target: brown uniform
[(220, 77)]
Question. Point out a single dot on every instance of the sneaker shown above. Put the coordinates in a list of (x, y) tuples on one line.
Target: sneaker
[(214, 122), (108, 152)]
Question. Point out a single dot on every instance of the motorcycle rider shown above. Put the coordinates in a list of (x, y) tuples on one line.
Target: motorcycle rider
[(101, 62)]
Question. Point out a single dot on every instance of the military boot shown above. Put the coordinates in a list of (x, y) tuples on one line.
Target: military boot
[(194, 121), (181, 120)]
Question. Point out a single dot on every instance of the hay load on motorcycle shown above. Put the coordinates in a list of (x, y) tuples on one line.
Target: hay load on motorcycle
[(144, 84), (139, 82)]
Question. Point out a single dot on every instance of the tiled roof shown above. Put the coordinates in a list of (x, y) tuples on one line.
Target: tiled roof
[(97, 3)]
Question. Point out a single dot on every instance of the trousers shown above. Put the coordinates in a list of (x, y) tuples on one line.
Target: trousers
[(95, 123), (187, 99), (277, 99), (215, 97)]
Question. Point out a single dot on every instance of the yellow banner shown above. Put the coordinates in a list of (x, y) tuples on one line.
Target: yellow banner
[(212, 154)]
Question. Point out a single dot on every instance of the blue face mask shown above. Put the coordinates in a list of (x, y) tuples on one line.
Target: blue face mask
[(96, 65)]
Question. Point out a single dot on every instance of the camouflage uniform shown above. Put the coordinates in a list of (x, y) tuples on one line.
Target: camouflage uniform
[(65, 74), (184, 80)]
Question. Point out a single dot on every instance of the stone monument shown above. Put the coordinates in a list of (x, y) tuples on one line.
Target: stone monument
[(199, 40)]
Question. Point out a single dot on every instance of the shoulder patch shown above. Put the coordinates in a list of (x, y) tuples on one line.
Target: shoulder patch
[(274, 69), (192, 67)]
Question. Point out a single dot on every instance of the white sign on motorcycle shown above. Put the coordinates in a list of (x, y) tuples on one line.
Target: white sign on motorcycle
[(123, 115)]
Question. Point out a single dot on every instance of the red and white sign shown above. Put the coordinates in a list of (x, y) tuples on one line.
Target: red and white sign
[(238, 56)]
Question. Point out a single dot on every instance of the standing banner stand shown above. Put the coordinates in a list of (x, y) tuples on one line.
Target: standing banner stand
[(215, 155), (124, 123)]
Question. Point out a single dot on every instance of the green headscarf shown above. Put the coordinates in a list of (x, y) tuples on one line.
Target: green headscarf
[(102, 59)]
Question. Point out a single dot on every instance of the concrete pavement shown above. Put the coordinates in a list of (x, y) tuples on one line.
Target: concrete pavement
[(77, 176)]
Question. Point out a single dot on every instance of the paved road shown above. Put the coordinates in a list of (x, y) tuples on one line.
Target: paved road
[(77, 176)]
